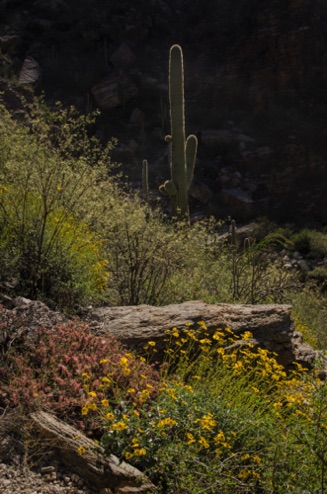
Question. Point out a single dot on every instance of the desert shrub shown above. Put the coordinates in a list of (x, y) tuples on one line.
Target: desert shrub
[(153, 261), (311, 243), (52, 179), (254, 273), (52, 368), (318, 275), (310, 307), (302, 242), (229, 419), (318, 244), (66, 227), (217, 417)]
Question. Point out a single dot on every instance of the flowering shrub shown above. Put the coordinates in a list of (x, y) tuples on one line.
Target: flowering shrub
[(218, 417), (53, 369), (229, 413), (53, 179)]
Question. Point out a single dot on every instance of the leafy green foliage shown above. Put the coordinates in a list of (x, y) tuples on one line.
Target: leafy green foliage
[(49, 183)]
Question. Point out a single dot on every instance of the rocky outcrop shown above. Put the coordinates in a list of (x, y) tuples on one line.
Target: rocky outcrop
[(271, 325)]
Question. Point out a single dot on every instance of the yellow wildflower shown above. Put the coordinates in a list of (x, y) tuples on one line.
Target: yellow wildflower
[(105, 380), (140, 452), (118, 426), (167, 422), (190, 438), (81, 450), (204, 442)]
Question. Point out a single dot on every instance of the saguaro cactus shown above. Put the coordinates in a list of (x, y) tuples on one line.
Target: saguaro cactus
[(145, 180), (183, 152)]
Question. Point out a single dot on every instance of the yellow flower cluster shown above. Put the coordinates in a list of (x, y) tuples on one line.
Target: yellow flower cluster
[(124, 362), (89, 406), (207, 422), (166, 422), (136, 450)]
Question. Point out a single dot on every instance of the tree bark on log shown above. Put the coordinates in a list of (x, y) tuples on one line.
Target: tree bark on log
[(83, 457)]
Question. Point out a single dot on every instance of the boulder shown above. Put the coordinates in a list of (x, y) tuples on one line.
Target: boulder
[(123, 57), (30, 71), (271, 325), (114, 91), (238, 202)]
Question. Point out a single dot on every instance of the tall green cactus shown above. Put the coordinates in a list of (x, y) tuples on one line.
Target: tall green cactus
[(183, 152), (145, 180)]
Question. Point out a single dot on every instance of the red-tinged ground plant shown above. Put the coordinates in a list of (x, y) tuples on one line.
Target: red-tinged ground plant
[(52, 369)]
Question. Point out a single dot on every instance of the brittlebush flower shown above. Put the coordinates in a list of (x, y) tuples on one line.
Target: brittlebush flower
[(118, 426), (167, 422), (81, 450), (140, 452), (204, 442), (190, 438)]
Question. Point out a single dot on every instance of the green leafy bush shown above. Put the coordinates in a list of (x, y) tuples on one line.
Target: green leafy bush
[(50, 185)]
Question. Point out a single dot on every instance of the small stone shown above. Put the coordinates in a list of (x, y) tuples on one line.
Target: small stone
[(75, 478), (48, 469)]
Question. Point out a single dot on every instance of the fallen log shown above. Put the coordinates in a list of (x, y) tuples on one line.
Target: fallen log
[(85, 458)]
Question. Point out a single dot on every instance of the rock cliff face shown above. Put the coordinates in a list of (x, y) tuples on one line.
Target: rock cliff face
[(256, 77)]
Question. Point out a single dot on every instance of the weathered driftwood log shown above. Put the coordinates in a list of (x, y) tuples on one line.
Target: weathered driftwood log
[(272, 325), (83, 457)]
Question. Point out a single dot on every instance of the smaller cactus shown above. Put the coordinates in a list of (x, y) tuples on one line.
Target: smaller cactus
[(233, 233), (145, 180)]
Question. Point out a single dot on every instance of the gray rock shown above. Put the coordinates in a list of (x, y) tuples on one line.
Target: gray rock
[(202, 192), (30, 71), (114, 91), (237, 201), (123, 57), (271, 325)]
